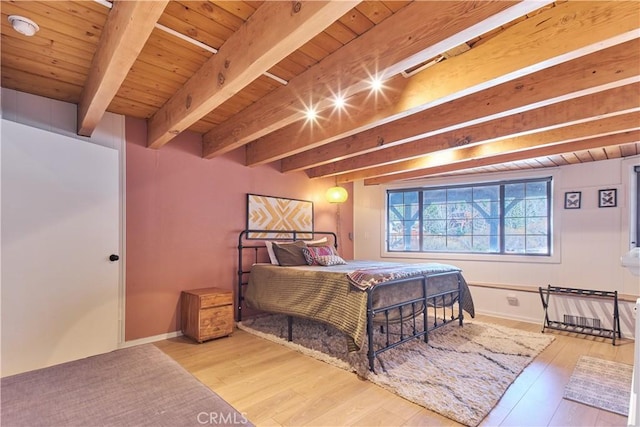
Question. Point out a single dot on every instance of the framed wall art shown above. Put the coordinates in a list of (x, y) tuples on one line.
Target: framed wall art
[(279, 216), (608, 198), (572, 199)]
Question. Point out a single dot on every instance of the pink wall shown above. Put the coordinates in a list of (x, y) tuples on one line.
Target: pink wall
[(183, 216)]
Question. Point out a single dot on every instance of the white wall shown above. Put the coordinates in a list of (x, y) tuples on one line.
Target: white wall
[(588, 242)]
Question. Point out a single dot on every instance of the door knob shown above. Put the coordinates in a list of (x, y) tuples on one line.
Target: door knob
[(113, 257)]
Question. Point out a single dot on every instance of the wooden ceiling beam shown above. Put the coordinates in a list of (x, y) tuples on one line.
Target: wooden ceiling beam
[(459, 121), (129, 25), (556, 36), (397, 43), (610, 103), (518, 149), (566, 133), (274, 31)]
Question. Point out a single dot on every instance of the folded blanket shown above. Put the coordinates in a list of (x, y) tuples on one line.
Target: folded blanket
[(365, 278)]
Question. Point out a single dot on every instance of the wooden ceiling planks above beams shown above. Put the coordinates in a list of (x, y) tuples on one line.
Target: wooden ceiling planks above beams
[(274, 31), (612, 102), (611, 140), (129, 25), (557, 36), (397, 43), (450, 106), (452, 124)]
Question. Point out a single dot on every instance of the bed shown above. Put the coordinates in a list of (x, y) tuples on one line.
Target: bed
[(359, 298)]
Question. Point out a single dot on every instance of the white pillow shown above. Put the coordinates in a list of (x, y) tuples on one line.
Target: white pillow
[(272, 254)]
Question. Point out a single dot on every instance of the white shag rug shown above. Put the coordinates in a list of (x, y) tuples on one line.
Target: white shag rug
[(603, 384), (461, 373)]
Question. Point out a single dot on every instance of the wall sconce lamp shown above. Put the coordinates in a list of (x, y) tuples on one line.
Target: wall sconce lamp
[(336, 194)]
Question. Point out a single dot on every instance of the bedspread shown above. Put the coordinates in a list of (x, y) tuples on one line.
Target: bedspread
[(326, 294)]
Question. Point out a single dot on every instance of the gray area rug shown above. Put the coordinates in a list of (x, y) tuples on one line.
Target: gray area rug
[(603, 384), (137, 386), (461, 373)]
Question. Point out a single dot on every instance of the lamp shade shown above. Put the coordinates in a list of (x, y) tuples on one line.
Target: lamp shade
[(337, 195)]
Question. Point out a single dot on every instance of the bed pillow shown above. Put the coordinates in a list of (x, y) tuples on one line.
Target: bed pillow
[(272, 255), (311, 253), (289, 254), (329, 260)]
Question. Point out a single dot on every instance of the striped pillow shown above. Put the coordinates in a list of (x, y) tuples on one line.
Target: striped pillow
[(311, 253), (329, 260)]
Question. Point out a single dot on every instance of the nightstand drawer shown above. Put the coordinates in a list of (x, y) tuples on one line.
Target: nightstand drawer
[(214, 300), (216, 322)]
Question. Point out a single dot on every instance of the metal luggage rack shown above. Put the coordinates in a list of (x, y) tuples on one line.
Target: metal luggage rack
[(580, 324)]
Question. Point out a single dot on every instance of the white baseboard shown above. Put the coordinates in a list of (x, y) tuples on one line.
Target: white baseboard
[(148, 340), (511, 317)]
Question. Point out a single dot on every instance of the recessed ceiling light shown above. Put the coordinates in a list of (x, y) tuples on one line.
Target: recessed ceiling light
[(376, 84), (23, 25), (311, 113), (339, 101)]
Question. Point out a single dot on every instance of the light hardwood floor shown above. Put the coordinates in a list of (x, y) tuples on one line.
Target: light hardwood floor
[(275, 386)]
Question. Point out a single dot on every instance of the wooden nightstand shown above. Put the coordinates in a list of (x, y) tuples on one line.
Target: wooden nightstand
[(207, 313)]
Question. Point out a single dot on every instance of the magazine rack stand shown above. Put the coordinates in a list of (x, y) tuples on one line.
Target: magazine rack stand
[(580, 324)]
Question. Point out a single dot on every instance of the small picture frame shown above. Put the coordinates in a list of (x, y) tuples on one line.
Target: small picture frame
[(572, 199), (607, 198)]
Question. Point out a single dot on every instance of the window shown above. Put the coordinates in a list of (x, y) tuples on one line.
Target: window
[(509, 217)]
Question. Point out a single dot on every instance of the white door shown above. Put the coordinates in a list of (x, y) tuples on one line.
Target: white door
[(59, 290)]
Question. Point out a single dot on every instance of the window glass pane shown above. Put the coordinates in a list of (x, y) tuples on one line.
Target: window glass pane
[(515, 208), (459, 243), (395, 214), (435, 196), (513, 191), (486, 209), (537, 245), (434, 243), (486, 227), (435, 228), (514, 226), (411, 197), (459, 195), (536, 189), (486, 244), (396, 199), (438, 211), (537, 207), (411, 212), (487, 192), (514, 244), (537, 226)]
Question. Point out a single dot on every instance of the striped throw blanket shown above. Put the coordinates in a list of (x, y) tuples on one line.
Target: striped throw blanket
[(365, 278)]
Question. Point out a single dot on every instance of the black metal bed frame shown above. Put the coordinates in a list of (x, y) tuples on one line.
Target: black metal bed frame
[(408, 311)]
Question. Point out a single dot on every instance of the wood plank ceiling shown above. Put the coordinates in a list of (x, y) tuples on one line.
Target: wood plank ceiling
[(467, 86)]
